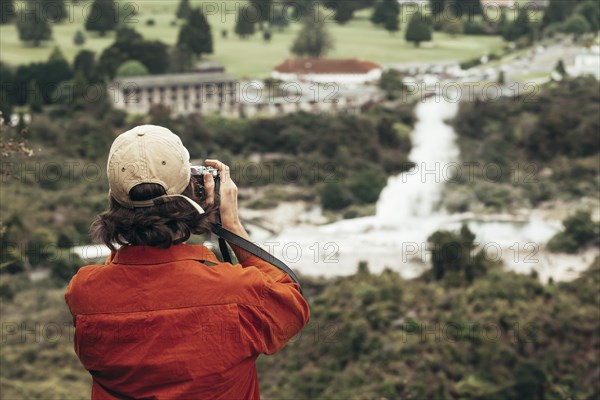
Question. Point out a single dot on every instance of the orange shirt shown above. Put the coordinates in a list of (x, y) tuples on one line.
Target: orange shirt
[(159, 324)]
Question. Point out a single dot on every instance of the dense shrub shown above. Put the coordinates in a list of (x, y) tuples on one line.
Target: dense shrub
[(334, 197), (64, 267), (530, 149), (41, 247), (427, 340), (579, 230)]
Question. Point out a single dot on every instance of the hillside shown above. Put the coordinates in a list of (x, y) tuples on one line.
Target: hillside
[(505, 336), (528, 151)]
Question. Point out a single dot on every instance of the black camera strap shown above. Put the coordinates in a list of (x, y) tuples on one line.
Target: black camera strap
[(226, 235), (232, 238)]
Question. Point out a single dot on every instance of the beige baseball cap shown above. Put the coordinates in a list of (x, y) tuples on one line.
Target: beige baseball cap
[(149, 154)]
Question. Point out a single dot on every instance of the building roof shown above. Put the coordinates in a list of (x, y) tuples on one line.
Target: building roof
[(304, 65), (176, 79), (419, 2), (498, 3)]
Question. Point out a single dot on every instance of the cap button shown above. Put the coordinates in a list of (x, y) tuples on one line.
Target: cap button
[(141, 133)]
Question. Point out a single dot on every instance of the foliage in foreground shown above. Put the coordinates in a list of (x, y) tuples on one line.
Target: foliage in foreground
[(504, 336)]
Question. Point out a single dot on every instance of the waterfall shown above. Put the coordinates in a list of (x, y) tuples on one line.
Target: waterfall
[(414, 195), (407, 213)]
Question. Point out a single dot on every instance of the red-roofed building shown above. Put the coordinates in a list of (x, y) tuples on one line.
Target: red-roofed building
[(498, 3), (328, 70)]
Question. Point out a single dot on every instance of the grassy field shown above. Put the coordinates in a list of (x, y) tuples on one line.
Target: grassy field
[(250, 57)]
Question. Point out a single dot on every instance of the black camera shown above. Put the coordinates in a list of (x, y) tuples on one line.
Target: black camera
[(198, 173)]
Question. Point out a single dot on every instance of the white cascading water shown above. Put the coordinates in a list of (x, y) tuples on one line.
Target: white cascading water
[(407, 213), (414, 195)]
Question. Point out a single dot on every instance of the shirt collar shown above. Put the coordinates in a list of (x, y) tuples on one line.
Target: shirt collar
[(144, 255)]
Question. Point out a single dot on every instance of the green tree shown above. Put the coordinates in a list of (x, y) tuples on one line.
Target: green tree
[(102, 17), (344, 11), (6, 100), (196, 35), (263, 11), (132, 68), (558, 11), (278, 19), (180, 60), (127, 35), (79, 38), (577, 25), (54, 10), (34, 27), (11, 261), (391, 23), (46, 75), (6, 105), (244, 27), (451, 256), (85, 63), (470, 7), (153, 54), (7, 11), (520, 27), (391, 83), (58, 69), (41, 246), (130, 45), (579, 231), (334, 197), (419, 29), (313, 40), (184, 9), (35, 100), (366, 185), (11, 256), (560, 67), (590, 10), (64, 267), (437, 6), (502, 78), (384, 10), (387, 134)]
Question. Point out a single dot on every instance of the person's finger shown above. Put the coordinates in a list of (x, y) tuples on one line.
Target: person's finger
[(209, 188), (223, 169), (219, 165)]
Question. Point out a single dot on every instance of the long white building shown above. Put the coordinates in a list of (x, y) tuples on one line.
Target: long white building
[(196, 92)]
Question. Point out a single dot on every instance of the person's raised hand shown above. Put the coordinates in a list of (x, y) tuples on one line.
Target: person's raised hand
[(228, 203), (228, 194)]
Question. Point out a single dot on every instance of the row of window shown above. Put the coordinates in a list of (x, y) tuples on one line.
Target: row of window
[(209, 88)]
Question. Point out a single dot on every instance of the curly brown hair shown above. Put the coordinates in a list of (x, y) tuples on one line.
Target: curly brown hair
[(160, 226)]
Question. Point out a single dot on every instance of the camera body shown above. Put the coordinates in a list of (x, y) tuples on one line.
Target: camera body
[(198, 172)]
